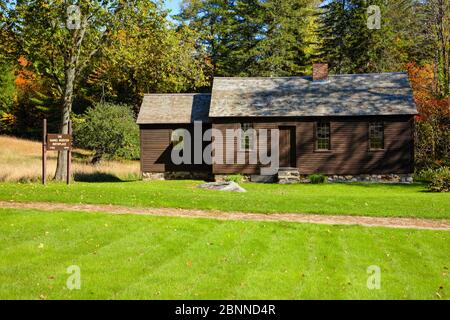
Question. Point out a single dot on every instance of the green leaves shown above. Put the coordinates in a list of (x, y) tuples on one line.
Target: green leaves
[(7, 87), (108, 129), (350, 46), (254, 38)]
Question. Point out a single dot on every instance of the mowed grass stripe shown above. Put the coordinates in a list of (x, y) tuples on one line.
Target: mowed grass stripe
[(324, 265), (167, 280), (148, 257), (238, 255), (92, 256), (348, 199), (394, 261), (137, 256), (422, 252), (367, 254), (25, 227), (204, 266), (63, 247), (283, 262)]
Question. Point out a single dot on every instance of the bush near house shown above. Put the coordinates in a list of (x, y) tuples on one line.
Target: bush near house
[(317, 178), (238, 178), (440, 180), (109, 130)]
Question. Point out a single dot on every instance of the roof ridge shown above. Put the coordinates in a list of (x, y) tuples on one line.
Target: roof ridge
[(309, 77)]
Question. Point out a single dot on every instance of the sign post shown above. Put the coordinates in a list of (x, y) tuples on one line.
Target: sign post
[(44, 152), (56, 142), (69, 152)]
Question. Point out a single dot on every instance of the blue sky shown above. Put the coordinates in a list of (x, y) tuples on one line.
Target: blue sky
[(173, 5)]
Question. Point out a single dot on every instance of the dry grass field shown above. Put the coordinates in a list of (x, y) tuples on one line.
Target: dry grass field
[(20, 161)]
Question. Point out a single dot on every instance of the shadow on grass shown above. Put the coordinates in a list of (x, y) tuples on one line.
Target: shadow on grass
[(96, 177)]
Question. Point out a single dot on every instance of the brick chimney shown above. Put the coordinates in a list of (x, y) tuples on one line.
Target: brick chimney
[(320, 71)]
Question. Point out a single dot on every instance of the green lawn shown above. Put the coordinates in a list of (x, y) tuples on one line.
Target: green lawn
[(174, 258), (353, 199)]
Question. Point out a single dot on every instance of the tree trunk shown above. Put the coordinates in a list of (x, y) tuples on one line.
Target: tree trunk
[(61, 167), (96, 158)]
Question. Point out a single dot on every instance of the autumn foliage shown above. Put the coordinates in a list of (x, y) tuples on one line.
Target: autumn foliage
[(432, 132)]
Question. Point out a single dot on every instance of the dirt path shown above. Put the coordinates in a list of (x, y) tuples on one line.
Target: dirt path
[(220, 215)]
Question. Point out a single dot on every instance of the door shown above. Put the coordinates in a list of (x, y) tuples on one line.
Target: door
[(287, 147)]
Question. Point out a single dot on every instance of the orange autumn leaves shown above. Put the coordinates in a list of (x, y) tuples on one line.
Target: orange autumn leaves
[(424, 88), (25, 78)]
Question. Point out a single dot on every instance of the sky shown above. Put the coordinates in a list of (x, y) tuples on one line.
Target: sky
[(173, 5)]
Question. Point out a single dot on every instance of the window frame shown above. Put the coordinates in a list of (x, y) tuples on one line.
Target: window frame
[(243, 137), (316, 136), (376, 125)]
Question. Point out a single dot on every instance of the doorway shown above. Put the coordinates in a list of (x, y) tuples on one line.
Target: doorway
[(287, 147)]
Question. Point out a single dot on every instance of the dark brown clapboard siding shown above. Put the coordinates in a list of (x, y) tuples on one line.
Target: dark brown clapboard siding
[(349, 154), (156, 148), (154, 142)]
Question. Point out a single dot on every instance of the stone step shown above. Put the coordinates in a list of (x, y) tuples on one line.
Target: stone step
[(288, 175)]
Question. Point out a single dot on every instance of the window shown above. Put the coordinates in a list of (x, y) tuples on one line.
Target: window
[(376, 135), (177, 139), (323, 136), (247, 137)]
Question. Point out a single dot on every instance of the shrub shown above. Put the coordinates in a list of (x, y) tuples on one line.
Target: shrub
[(317, 178), (238, 178), (425, 175), (440, 181), (108, 129)]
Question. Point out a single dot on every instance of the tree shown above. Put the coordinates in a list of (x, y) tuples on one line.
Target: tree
[(350, 46), (7, 87), (108, 129), (7, 94), (285, 43), (438, 33), (148, 57), (432, 130), (62, 40), (254, 37), (210, 18), (333, 34)]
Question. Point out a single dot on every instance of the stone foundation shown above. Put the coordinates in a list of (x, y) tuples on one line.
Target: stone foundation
[(177, 175), (379, 178), (263, 179), (152, 176), (284, 177)]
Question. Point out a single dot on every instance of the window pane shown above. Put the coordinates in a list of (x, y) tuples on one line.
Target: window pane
[(376, 135), (247, 136), (323, 136)]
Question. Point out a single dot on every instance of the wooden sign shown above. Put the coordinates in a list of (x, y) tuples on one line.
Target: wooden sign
[(58, 142)]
